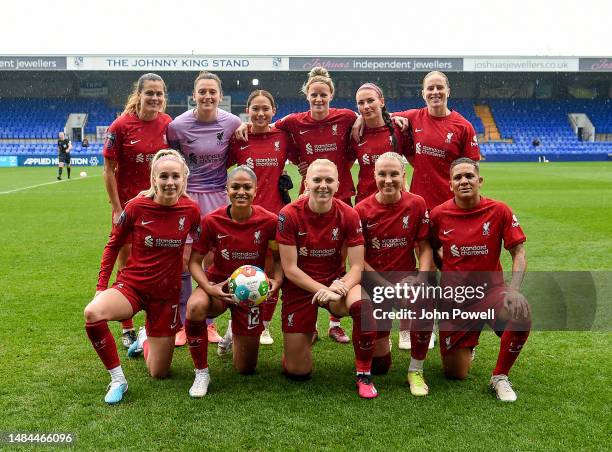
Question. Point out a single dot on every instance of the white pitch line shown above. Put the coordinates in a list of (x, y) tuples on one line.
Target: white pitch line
[(40, 185)]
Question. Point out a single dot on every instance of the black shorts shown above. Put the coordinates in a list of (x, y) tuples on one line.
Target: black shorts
[(64, 159)]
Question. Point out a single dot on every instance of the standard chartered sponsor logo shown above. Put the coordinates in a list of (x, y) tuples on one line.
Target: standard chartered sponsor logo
[(225, 253), (365, 159), (375, 243), (249, 163), (303, 251), (474, 250), (263, 162), (148, 241), (434, 152), (327, 147)]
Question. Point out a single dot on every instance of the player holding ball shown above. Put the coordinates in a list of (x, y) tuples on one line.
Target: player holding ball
[(238, 234)]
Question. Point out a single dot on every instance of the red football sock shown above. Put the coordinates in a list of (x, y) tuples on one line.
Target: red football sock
[(127, 324), (381, 364), (364, 334), (512, 342), (197, 338), (405, 325), (103, 343), (419, 341)]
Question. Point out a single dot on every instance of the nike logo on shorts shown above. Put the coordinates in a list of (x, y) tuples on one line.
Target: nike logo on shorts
[(418, 130), (146, 222), (302, 132), (220, 236), (134, 141), (446, 232)]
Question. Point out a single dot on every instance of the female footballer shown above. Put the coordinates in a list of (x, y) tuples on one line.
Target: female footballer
[(132, 141), (156, 225), (265, 153), (315, 233), (202, 135), (238, 234), (395, 223)]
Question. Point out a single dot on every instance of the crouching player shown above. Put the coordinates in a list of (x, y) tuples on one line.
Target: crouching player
[(395, 223), (156, 225), (469, 230), (238, 234), (313, 233)]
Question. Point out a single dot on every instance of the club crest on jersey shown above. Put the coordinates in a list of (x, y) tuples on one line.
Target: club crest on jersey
[(181, 223), (405, 221), (375, 243), (290, 319), (515, 221), (309, 149), (455, 251), (249, 162), (449, 136), (474, 141), (257, 237), (335, 234), (486, 228), (334, 129), (225, 253), (426, 217), (148, 241), (277, 146), (220, 137)]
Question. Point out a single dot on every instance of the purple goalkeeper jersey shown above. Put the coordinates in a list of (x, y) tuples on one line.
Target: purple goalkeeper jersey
[(205, 146)]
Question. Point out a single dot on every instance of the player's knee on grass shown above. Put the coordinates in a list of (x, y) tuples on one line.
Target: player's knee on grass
[(457, 364), (197, 305)]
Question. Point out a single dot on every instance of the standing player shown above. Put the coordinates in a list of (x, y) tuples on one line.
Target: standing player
[(469, 230), (239, 234), (265, 153), (380, 135), (132, 141), (64, 145), (202, 135), (157, 225), (396, 223), (315, 233)]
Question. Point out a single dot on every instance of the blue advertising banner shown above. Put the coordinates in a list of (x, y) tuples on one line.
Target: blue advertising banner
[(51, 160), (8, 161)]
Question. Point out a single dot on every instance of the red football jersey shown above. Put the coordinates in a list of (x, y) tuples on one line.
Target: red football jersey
[(235, 244), (319, 238), (265, 154), (471, 240), (437, 143), (326, 139), (391, 231), (157, 234), (132, 143), (373, 144)]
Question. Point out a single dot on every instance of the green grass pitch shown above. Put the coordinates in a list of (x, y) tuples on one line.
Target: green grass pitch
[(52, 381)]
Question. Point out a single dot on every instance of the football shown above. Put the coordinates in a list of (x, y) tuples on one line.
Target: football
[(249, 285), (83, 174)]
